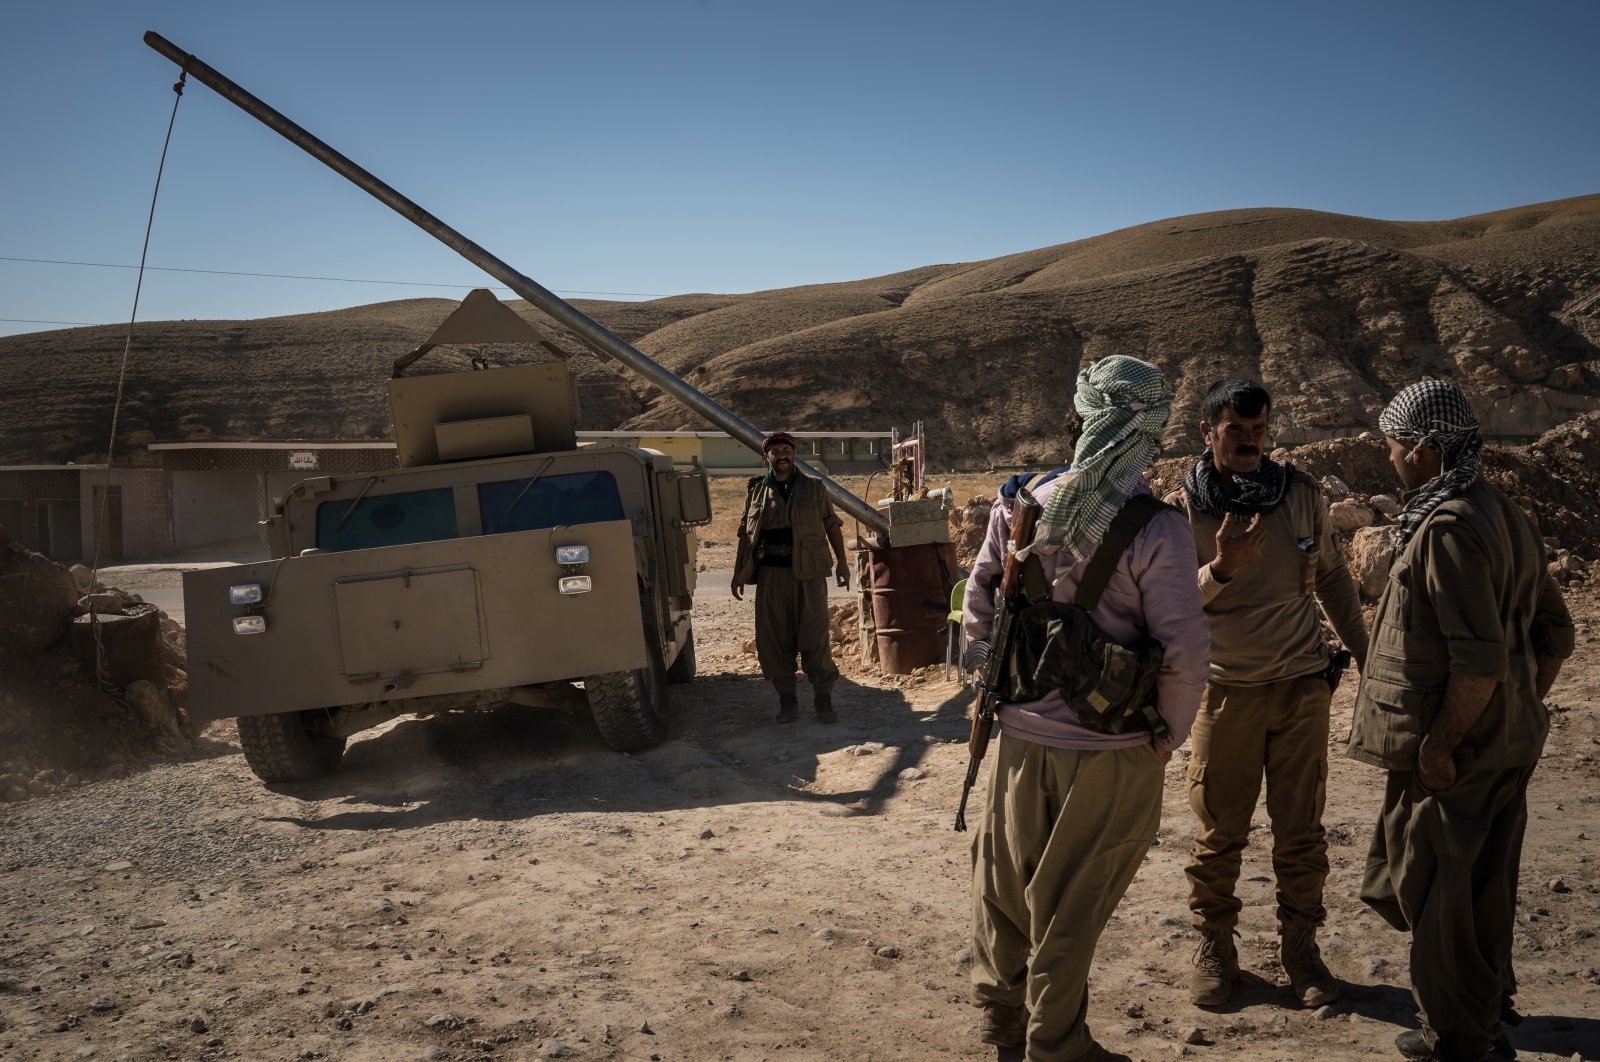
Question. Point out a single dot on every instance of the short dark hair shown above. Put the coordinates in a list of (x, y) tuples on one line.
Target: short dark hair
[(1245, 397)]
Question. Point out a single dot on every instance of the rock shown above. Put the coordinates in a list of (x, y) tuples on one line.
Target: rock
[(15, 794), (1387, 504), (154, 707), (912, 774), (707, 834), (103, 1004), (104, 602), (1368, 436), (1557, 885), (1371, 555), (145, 921), (1335, 488), (888, 951), (1280, 455), (1350, 515), (1565, 567), (1326, 1011), (82, 577), (1196, 1036), (198, 1025), (37, 597), (117, 866), (557, 1049), (741, 975), (445, 1021)]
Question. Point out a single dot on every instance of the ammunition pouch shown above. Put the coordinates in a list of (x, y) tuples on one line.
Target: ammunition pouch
[(1111, 688)]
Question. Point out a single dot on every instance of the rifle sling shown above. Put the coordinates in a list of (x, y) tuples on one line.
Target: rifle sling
[(1135, 513)]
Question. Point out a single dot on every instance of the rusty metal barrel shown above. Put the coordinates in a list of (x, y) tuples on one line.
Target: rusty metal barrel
[(910, 591)]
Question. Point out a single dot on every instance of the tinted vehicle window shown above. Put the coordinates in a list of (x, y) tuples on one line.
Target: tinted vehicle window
[(552, 501), (387, 520)]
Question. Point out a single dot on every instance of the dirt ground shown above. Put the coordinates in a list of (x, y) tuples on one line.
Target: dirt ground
[(500, 885)]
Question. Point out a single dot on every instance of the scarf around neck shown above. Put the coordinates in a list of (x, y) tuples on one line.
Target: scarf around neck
[(1255, 492)]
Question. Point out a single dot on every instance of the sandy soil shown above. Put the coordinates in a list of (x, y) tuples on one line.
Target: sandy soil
[(499, 885)]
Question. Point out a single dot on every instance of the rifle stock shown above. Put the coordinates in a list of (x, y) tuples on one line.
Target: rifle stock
[(1025, 510)]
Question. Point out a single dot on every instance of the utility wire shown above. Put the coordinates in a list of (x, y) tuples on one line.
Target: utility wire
[(298, 276)]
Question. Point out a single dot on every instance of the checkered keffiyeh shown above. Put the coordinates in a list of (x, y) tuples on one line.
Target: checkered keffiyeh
[(1125, 404), (1434, 413)]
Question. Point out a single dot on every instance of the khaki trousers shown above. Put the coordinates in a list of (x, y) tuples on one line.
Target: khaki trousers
[(1062, 835), (1443, 865), (791, 619), (1280, 731)]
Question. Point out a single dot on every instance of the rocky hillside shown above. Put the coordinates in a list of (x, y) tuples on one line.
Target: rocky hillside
[(1333, 313)]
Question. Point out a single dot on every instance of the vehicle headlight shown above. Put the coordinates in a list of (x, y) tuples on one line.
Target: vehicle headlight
[(575, 584), (250, 625), (567, 555), (245, 594)]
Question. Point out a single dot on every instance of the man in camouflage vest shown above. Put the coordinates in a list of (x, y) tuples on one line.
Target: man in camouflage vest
[(784, 539)]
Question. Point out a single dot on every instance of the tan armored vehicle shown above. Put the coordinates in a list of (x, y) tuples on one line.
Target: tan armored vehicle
[(498, 564)]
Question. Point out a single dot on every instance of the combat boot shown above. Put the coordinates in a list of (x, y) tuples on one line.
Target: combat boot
[(788, 708), (1313, 985), (1216, 966), (1414, 1044), (1003, 1024), (824, 705)]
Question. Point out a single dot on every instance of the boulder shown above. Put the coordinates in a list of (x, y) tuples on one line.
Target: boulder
[(1335, 488), (37, 596), (1350, 515), (1280, 455), (83, 577), (1371, 554), (1387, 504)]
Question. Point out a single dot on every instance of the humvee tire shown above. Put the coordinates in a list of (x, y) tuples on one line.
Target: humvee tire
[(682, 669), (630, 707), (289, 746)]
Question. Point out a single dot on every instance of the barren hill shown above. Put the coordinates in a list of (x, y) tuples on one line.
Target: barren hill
[(1333, 313)]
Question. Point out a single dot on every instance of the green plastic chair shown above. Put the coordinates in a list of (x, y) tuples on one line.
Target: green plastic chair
[(955, 642)]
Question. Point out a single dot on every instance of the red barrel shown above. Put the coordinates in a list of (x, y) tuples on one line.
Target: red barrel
[(910, 590)]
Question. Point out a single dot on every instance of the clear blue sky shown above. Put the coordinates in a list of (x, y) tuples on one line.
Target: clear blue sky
[(713, 145)]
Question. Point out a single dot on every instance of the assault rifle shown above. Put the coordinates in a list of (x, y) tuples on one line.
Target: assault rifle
[(1025, 510)]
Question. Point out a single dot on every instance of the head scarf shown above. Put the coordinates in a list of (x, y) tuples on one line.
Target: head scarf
[(1255, 492), (1125, 404), (1434, 413)]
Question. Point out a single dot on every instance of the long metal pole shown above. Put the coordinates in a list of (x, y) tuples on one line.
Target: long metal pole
[(594, 335)]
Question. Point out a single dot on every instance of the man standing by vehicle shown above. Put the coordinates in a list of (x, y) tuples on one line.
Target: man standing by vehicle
[(1072, 811), (784, 537), (1267, 558), (1468, 639)]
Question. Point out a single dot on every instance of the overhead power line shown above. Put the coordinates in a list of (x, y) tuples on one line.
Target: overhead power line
[(298, 276)]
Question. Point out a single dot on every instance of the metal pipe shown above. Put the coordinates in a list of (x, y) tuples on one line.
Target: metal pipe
[(594, 335)]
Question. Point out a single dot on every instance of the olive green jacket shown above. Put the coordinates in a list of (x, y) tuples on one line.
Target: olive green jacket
[(1469, 595), (809, 511)]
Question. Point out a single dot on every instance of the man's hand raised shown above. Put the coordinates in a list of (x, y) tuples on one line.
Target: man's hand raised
[(1238, 544)]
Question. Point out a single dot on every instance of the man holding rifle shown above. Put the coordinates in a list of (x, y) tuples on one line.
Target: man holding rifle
[(1072, 810)]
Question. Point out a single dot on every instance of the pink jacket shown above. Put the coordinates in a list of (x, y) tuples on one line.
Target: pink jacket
[(1152, 591)]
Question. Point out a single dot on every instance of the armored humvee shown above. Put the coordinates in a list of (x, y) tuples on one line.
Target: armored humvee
[(499, 563)]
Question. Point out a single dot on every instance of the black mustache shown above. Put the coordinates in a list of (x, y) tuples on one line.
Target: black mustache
[(1248, 451)]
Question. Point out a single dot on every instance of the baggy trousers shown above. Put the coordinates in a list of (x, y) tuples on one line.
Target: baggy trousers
[(1062, 836), (792, 618), (1279, 730), (1443, 865)]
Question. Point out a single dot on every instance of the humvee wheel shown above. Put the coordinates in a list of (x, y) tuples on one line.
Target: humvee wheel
[(289, 746), (630, 707), (682, 669)]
